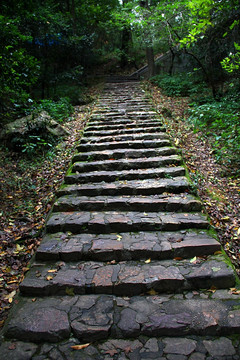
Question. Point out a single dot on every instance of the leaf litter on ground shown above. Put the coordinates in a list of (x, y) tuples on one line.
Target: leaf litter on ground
[(215, 183), (27, 189)]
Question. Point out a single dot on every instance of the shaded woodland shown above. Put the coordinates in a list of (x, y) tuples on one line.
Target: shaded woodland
[(55, 57)]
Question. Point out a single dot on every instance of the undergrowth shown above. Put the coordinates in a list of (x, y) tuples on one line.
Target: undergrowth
[(59, 110), (216, 119), (220, 121), (183, 84)]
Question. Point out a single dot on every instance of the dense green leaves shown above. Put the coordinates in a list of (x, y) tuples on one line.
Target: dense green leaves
[(47, 46), (179, 84), (220, 121)]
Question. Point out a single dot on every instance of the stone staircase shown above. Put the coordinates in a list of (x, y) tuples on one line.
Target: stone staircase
[(128, 266)]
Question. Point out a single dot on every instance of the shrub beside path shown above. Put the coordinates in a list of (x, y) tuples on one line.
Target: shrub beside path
[(129, 267)]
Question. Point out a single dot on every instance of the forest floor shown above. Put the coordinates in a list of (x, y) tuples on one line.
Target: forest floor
[(27, 188), (216, 183)]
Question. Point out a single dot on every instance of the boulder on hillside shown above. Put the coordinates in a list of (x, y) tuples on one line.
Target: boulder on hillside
[(41, 124)]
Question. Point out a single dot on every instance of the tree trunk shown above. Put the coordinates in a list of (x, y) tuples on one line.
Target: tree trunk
[(149, 48), (73, 14), (170, 71), (125, 42), (150, 61)]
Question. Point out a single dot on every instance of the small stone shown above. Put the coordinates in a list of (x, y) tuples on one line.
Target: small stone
[(220, 347), (20, 350), (39, 324), (179, 346), (128, 323), (176, 357), (151, 345), (197, 356)]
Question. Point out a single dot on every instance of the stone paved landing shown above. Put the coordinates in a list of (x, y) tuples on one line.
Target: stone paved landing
[(129, 266)]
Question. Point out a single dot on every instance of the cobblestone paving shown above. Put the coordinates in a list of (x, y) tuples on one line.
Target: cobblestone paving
[(129, 266)]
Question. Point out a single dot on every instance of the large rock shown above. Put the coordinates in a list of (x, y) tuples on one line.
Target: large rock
[(40, 124)]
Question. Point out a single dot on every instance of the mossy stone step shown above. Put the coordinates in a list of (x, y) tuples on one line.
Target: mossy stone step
[(129, 278), (127, 164), (175, 185), (91, 318), (121, 120), (161, 348), (136, 130), (125, 137), (126, 246), (123, 153), (135, 174), (182, 202), (115, 221), (121, 125), (123, 145)]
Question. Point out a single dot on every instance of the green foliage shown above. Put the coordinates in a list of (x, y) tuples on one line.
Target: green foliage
[(220, 122), (177, 85), (36, 144), (18, 69), (231, 63), (59, 110)]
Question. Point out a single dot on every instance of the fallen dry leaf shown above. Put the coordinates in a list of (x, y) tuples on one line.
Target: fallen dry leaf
[(80, 347), (235, 291), (152, 292), (193, 260), (111, 352), (212, 289)]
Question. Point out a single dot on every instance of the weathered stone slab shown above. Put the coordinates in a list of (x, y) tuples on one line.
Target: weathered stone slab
[(123, 123), (123, 153), (127, 278), (136, 130), (182, 202), (142, 349), (126, 246), (125, 137), (110, 221), (176, 185), (131, 174), (126, 164), (123, 145), (94, 317), (38, 322)]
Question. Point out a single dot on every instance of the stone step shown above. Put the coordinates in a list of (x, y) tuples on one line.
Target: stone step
[(121, 120), (129, 187), (126, 246), (96, 126), (125, 137), (110, 176), (123, 153), (91, 318), (161, 348), (127, 164), (127, 284), (142, 115), (182, 203), (113, 221), (136, 130), (149, 144), (129, 278)]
